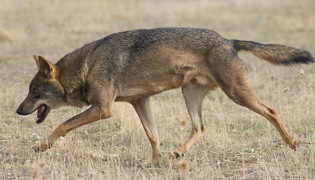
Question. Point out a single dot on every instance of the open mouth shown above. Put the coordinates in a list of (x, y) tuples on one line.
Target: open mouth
[(42, 112)]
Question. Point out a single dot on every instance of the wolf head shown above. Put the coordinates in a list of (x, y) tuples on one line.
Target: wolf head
[(45, 91)]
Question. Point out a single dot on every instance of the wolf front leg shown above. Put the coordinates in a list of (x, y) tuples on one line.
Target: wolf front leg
[(94, 113), (143, 110)]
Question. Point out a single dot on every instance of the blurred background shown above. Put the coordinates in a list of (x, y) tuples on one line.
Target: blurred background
[(55, 27)]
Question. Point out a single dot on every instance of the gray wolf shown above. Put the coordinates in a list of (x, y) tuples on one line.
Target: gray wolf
[(131, 66)]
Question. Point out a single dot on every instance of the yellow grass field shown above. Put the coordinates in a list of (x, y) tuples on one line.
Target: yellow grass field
[(238, 144)]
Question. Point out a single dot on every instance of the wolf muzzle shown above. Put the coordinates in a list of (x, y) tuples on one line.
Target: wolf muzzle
[(20, 110)]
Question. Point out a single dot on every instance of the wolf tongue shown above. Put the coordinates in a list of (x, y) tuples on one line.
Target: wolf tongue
[(40, 110)]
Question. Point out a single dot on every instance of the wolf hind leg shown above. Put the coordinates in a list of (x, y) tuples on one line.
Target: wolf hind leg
[(193, 95), (236, 86)]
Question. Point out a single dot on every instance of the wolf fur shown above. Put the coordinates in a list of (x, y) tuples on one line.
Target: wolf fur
[(131, 66)]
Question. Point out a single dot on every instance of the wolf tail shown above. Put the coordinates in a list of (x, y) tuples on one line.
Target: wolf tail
[(275, 53)]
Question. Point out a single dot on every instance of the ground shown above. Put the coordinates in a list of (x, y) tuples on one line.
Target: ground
[(238, 143)]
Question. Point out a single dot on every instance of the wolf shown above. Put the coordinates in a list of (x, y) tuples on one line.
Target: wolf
[(134, 65)]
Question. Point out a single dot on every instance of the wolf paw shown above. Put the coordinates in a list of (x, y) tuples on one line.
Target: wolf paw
[(151, 163), (177, 153), (43, 146), (293, 145)]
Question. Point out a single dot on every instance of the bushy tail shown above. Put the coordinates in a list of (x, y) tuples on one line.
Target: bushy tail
[(275, 53)]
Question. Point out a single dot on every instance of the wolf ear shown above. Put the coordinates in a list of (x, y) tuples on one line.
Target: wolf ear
[(45, 68)]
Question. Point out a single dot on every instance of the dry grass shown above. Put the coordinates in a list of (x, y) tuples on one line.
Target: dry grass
[(238, 144)]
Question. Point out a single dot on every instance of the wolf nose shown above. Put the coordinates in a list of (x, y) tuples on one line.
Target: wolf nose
[(19, 110)]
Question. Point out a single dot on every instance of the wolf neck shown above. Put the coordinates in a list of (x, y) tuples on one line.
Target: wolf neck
[(73, 72)]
